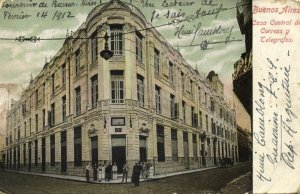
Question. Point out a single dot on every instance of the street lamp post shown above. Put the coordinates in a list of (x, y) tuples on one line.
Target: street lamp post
[(106, 53)]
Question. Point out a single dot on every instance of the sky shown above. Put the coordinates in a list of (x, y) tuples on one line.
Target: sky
[(21, 60)]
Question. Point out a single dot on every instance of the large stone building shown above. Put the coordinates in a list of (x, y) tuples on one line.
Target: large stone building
[(146, 104)]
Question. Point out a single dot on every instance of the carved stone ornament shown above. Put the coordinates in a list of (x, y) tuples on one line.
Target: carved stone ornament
[(92, 129), (144, 130)]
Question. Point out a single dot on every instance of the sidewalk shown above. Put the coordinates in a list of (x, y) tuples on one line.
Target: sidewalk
[(119, 180)]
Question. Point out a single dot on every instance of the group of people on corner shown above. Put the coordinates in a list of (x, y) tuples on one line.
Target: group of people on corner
[(141, 170), (107, 172)]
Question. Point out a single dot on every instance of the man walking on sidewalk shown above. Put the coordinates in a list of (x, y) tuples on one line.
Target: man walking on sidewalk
[(125, 172), (87, 172)]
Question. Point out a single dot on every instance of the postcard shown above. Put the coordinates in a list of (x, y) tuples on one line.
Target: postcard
[(168, 96)]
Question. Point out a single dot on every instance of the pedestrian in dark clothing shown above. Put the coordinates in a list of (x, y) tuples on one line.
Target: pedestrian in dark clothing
[(125, 172), (95, 172), (139, 170), (108, 172), (136, 174), (87, 172)]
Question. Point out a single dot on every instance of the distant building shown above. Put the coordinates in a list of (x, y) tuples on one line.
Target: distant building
[(2, 155), (244, 144), (242, 76), (145, 104)]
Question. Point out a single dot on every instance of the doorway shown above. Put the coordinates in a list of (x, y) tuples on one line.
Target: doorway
[(18, 154), (15, 157), (186, 149), (94, 146), (63, 152), (215, 152), (29, 156), (118, 143), (43, 154)]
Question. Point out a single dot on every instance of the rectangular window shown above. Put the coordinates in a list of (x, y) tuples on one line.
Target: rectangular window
[(191, 87), (156, 62), (139, 47), (18, 133), (31, 102), (199, 90), (200, 114), (212, 104), (52, 150), (212, 126), (44, 92), (158, 99), (36, 123), (206, 116), (24, 109), (116, 37), (174, 145), (183, 112), (43, 119), (29, 126), (172, 106), (64, 108), (182, 82), (25, 129), (222, 132), (171, 73), (78, 101), (160, 143), (94, 89), (117, 87), (63, 74), (36, 153), (77, 63), (193, 116), (94, 45), (52, 115), (195, 146), (140, 90), (36, 98), (52, 84), (77, 146)]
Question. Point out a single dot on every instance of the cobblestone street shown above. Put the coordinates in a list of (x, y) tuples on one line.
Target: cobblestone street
[(208, 181)]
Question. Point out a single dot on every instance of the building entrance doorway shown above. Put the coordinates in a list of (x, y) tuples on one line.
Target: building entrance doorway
[(43, 154), (94, 146), (186, 149), (143, 148), (118, 147), (29, 156), (63, 152), (18, 155)]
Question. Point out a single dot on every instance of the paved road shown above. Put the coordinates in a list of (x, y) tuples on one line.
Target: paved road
[(199, 182)]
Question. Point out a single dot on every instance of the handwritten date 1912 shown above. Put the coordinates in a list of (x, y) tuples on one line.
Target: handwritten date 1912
[(58, 15)]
